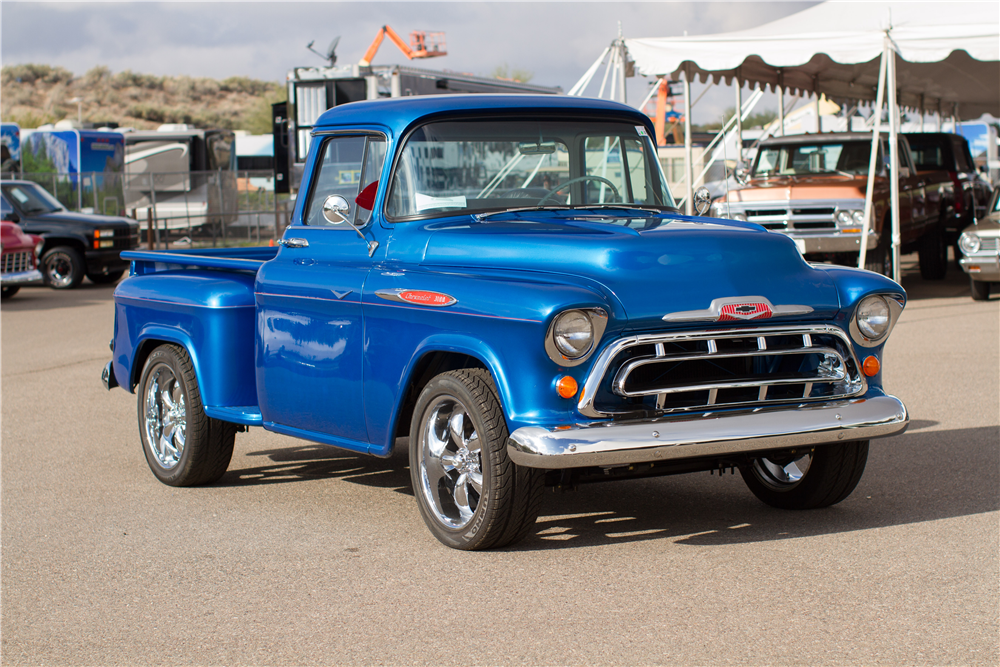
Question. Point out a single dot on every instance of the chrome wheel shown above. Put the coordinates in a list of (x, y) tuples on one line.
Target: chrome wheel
[(782, 473), (165, 417), (451, 470), (59, 270)]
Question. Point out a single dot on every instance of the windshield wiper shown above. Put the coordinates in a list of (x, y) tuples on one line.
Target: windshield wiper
[(628, 207), (479, 217)]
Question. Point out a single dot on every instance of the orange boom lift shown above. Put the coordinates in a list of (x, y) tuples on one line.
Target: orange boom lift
[(422, 45)]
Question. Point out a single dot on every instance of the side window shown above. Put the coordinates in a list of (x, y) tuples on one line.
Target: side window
[(338, 173), (374, 159), (963, 158)]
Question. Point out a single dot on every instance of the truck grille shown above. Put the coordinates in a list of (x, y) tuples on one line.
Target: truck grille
[(14, 262), (721, 369), (788, 218)]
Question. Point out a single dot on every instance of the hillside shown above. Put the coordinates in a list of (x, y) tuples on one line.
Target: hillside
[(32, 95)]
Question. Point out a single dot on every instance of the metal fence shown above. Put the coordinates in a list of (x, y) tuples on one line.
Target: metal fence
[(182, 209)]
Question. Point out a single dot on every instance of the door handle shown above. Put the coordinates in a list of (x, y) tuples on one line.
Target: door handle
[(294, 243)]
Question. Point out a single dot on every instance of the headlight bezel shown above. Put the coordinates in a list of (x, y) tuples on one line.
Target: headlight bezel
[(598, 321), (894, 306), (970, 243)]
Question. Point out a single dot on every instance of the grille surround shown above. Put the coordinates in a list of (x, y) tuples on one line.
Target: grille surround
[(752, 367)]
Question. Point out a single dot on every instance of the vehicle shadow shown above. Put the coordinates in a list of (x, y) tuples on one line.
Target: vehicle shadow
[(39, 297), (922, 475), (919, 476), (314, 461)]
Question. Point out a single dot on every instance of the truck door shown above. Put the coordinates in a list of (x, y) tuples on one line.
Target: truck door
[(309, 320)]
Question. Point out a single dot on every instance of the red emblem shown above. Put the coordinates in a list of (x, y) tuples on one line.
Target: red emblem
[(425, 298), (750, 310)]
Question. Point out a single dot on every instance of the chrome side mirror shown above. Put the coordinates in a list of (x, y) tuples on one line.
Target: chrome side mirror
[(702, 200), (336, 210), (742, 176)]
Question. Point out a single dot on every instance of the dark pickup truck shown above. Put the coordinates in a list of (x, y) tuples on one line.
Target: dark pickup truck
[(75, 244), (943, 151)]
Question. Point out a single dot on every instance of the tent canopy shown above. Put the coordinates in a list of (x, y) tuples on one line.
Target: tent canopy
[(948, 54)]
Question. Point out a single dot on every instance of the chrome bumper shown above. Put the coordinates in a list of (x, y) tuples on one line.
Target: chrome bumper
[(833, 242), (985, 269), (21, 277), (706, 434)]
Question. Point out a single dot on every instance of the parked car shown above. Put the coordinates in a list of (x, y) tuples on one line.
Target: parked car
[(980, 246), (19, 259), (943, 151), (518, 338), (74, 244), (812, 188)]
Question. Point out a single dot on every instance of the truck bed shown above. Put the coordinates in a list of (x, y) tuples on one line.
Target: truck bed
[(239, 259)]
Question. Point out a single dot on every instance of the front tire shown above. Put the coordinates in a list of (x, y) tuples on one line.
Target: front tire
[(7, 292), (933, 255), (470, 495), (807, 479), (62, 267), (879, 258), (183, 446), (980, 290)]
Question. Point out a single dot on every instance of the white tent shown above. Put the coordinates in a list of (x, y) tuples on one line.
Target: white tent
[(947, 61)]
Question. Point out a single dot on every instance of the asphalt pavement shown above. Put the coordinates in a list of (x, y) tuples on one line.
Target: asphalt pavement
[(307, 555)]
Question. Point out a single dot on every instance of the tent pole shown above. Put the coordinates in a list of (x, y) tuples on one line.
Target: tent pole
[(872, 164), (739, 123), (622, 57), (688, 153), (893, 156), (781, 111)]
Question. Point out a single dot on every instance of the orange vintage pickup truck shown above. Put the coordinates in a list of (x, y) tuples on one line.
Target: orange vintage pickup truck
[(811, 187)]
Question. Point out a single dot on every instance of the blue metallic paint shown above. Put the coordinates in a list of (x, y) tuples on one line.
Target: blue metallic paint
[(335, 370)]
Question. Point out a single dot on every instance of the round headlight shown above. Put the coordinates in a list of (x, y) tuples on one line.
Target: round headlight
[(573, 334), (873, 317), (969, 243), (844, 218), (858, 217)]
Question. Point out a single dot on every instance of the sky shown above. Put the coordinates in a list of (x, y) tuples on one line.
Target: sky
[(556, 41)]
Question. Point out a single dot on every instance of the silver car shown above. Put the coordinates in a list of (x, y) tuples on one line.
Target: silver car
[(980, 246)]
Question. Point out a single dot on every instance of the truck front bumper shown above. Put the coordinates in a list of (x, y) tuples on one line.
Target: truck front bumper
[(982, 268), (705, 434), (30, 277), (833, 242)]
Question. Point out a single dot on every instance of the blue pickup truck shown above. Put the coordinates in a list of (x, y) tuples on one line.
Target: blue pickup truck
[(505, 284)]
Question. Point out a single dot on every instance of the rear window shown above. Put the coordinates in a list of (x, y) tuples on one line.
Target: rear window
[(963, 158), (930, 154)]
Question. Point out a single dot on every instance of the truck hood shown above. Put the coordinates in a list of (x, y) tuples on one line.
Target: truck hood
[(654, 266), (791, 188), (68, 217)]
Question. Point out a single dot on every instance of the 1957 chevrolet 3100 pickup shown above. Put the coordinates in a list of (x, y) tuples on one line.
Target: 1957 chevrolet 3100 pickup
[(506, 281)]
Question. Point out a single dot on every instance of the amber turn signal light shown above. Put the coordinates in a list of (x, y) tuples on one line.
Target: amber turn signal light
[(871, 366), (566, 387)]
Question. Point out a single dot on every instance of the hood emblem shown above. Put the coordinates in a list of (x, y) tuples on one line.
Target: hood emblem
[(417, 297), (736, 309)]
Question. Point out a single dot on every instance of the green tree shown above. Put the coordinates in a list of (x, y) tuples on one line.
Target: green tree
[(516, 74)]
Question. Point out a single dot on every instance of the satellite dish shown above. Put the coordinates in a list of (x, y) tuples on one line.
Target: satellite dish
[(330, 55)]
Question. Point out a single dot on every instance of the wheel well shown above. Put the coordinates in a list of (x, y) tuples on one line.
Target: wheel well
[(142, 353), (429, 366), (54, 242)]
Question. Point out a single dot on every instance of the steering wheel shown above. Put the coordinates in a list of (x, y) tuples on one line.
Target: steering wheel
[(579, 179)]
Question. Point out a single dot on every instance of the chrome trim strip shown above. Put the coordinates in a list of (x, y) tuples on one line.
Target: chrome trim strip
[(707, 434), (590, 387), (714, 310)]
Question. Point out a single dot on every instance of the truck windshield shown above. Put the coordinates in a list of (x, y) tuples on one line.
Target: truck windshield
[(846, 158), (474, 166), (31, 199)]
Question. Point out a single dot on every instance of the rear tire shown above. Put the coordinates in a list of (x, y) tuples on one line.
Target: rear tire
[(62, 267), (933, 255), (810, 479), (980, 290), (470, 494), (183, 446)]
